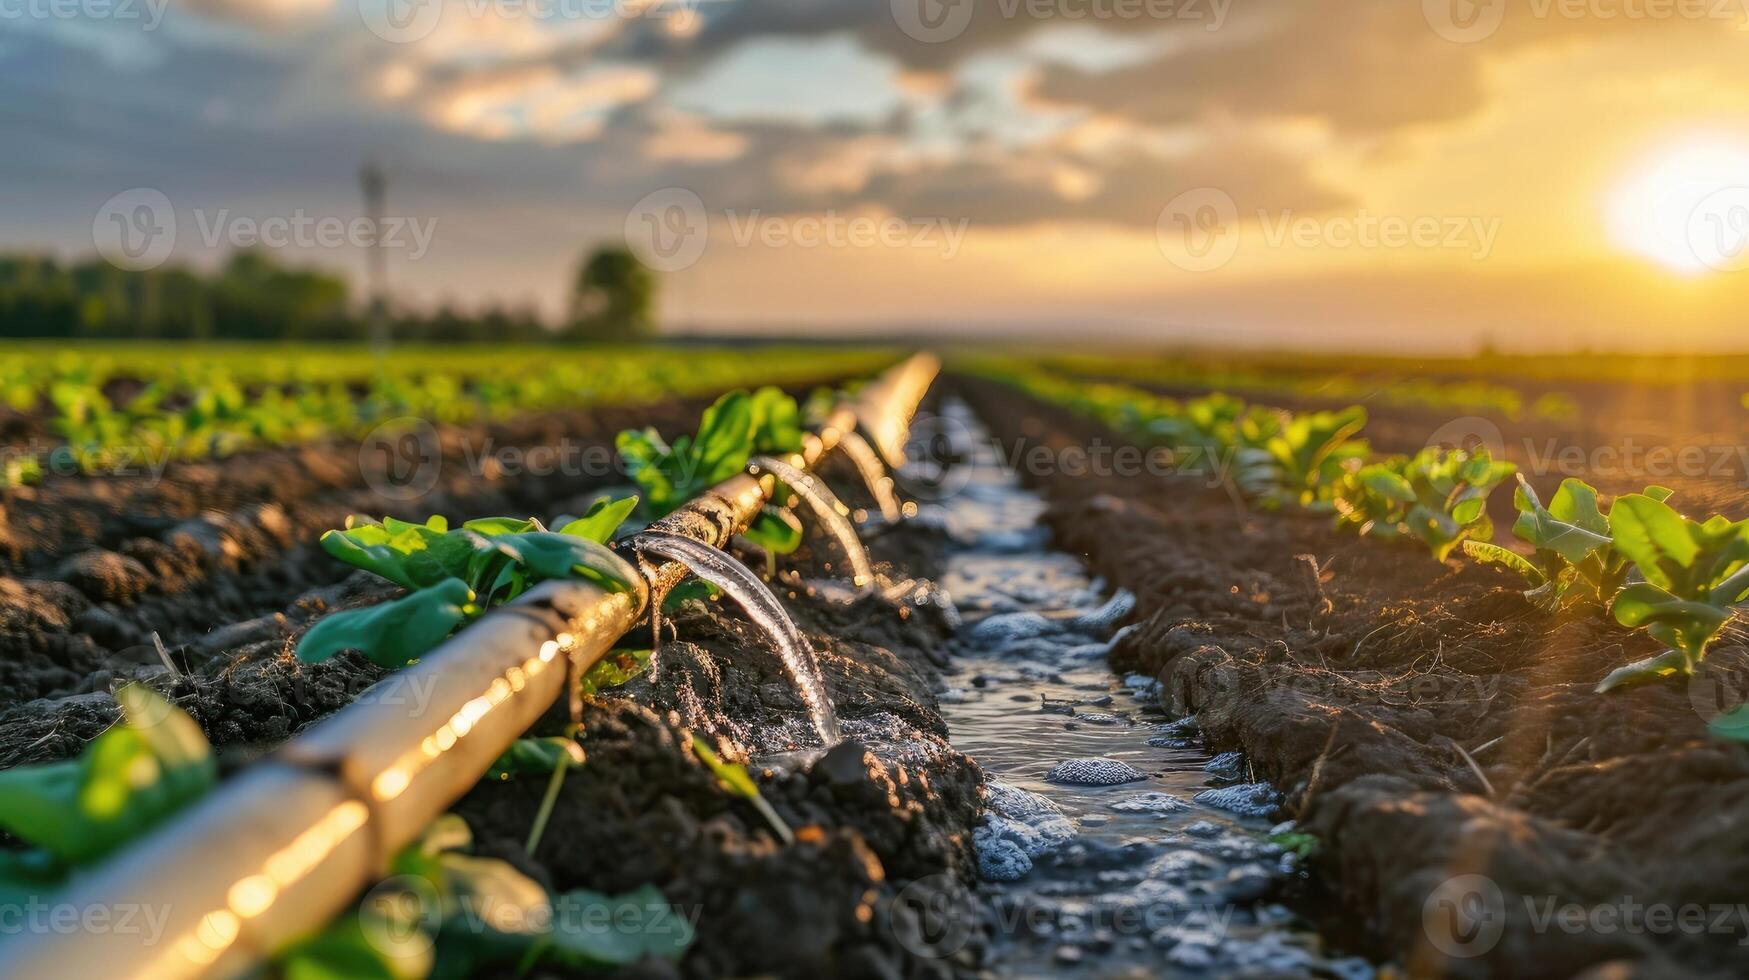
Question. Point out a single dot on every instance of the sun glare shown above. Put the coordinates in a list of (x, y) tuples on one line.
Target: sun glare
[(1686, 207)]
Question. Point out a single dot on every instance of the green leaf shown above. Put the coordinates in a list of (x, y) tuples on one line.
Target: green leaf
[(592, 931), (151, 764), (1575, 504), (1650, 669), (777, 422), (776, 530), (650, 462), (360, 946), (1492, 554), (1571, 527), (616, 668), (1653, 536), (535, 756), (691, 589), (1295, 841), (733, 775), (1637, 604), (735, 779), (1733, 725), (725, 439), (550, 555), (492, 527), (418, 555), (603, 518), (1387, 484), (394, 633)]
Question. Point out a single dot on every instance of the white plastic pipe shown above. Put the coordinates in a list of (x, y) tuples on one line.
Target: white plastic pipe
[(279, 850)]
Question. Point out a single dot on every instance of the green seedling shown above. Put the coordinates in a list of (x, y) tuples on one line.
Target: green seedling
[(732, 431), (443, 913), (735, 778), (1437, 496), (455, 574), (1574, 561), (149, 765), (1695, 573), (1301, 462)]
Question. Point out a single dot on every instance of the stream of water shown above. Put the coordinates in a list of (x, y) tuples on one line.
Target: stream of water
[(1112, 845)]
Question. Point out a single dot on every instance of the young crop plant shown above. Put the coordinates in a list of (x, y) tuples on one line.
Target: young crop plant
[(1575, 562), (732, 431), (453, 575), (136, 774), (1694, 572), (1300, 463), (1438, 496), (444, 912)]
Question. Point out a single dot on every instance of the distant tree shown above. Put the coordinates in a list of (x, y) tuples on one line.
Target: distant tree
[(614, 298)]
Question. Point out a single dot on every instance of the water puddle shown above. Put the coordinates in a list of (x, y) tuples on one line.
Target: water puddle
[(1112, 845)]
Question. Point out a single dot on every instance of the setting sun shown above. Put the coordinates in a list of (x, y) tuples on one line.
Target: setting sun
[(1686, 207)]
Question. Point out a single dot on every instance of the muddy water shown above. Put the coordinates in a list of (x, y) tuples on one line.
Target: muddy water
[(1112, 845)]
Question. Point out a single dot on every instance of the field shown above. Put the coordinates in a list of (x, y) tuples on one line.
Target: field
[(329, 663)]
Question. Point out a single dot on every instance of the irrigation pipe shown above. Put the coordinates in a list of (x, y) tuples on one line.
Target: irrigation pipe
[(276, 852)]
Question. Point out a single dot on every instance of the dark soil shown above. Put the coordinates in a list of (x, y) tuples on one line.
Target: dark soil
[(1358, 692), (219, 562), (888, 810)]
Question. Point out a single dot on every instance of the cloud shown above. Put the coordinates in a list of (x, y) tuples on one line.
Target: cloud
[(259, 13)]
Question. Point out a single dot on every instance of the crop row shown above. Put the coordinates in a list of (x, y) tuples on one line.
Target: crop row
[(157, 762), (1641, 562), (168, 404), (1387, 386)]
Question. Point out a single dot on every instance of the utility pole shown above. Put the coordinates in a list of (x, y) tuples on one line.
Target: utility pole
[(371, 178)]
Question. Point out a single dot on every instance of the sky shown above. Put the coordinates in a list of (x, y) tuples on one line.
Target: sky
[(1375, 174)]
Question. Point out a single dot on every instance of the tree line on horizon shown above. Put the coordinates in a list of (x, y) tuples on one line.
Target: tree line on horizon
[(253, 297)]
